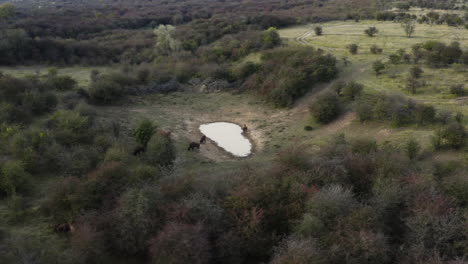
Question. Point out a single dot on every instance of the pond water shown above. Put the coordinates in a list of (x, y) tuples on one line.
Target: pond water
[(229, 137)]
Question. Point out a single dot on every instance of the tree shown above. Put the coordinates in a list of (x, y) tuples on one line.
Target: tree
[(326, 108), (458, 89), (416, 72), (7, 10), (412, 84), (371, 31), (271, 38), (454, 135), (433, 17), (351, 90), (409, 26), (160, 150), (402, 5), (12, 177), (165, 42), (353, 48), (318, 30), (378, 67), (180, 244), (144, 131), (412, 148)]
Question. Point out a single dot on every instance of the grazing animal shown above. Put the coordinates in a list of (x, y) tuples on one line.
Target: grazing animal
[(244, 128), (165, 133), (62, 228), (203, 139), (193, 146), (138, 150)]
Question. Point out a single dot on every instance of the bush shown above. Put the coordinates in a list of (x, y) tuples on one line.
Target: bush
[(144, 131), (353, 48), (135, 219), (160, 150), (61, 83), (297, 251), (288, 73), (378, 67), (458, 89), (70, 127), (180, 244), (374, 49), (326, 108), (454, 135), (416, 72), (105, 91), (352, 90), (13, 177), (371, 31), (318, 30), (412, 149)]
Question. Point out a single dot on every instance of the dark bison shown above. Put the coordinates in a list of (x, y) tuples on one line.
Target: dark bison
[(62, 228), (138, 150), (244, 128), (193, 146), (203, 139)]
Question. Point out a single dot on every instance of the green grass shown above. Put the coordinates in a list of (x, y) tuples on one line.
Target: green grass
[(391, 37), (80, 73)]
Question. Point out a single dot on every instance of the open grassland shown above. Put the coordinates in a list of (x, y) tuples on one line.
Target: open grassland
[(391, 37)]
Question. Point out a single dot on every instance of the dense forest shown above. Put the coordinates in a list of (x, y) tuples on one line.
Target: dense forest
[(360, 146)]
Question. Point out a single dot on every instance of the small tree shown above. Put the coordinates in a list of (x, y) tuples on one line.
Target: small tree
[(352, 90), (353, 48), (371, 31), (160, 151), (378, 67), (412, 149), (271, 38), (416, 72), (412, 85), (454, 135), (144, 131), (318, 30), (409, 25), (326, 108)]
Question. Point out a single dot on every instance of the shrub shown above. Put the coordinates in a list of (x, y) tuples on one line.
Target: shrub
[(180, 244), (135, 218), (271, 38), (353, 48), (13, 177), (374, 49), (458, 89), (416, 72), (298, 251), (69, 127), (160, 150), (288, 73), (378, 67), (454, 135), (326, 108), (144, 131), (318, 30), (352, 90), (105, 91), (412, 149), (61, 83), (331, 204), (371, 31)]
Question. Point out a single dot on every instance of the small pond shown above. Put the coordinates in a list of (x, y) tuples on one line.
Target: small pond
[(229, 137)]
